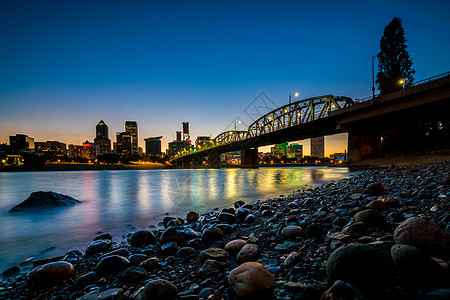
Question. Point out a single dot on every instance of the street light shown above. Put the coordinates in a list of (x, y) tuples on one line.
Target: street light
[(290, 96), (373, 76), (402, 83), (235, 125)]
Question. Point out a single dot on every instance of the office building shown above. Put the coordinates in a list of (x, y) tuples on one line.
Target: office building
[(124, 144), (177, 146), (279, 150), (50, 148), (153, 145), (101, 141), (318, 147), (86, 151), (132, 129), (295, 151), (202, 141), (21, 142)]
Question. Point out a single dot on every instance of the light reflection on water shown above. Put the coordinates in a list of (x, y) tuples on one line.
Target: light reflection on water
[(114, 199)]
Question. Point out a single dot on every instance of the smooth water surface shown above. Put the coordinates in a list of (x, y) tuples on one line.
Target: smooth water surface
[(114, 200)]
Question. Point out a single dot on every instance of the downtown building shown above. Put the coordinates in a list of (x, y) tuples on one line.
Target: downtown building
[(153, 146), (124, 146), (21, 142), (101, 141), (50, 149), (318, 147), (295, 151), (86, 151), (132, 129)]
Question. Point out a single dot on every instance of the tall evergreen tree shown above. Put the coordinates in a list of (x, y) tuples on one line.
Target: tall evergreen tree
[(394, 63)]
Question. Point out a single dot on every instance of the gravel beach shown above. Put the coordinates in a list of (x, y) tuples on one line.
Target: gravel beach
[(380, 234)]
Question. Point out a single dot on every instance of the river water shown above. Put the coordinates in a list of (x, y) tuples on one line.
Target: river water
[(114, 201)]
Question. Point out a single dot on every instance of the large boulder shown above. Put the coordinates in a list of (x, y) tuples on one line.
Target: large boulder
[(249, 278), (51, 273), (359, 265), (423, 234), (44, 200)]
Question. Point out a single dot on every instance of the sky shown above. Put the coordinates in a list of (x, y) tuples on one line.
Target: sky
[(66, 65)]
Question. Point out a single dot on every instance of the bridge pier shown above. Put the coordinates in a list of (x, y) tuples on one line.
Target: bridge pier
[(361, 146), (249, 158), (214, 161), (185, 164), (198, 161)]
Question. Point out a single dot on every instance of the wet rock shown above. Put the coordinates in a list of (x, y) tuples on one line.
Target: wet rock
[(44, 200), (136, 259), (291, 260), (171, 234), (73, 256), (169, 248), (157, 289), (249, 278), (227, 218), (248, 253), (235, 246), (121, 252), (415, 267), (192, 217), (51, 273), (242, 213), (211, 269), (355, 228), (213, 253), (371, 218), (375, 188), (212, 234), (112, 264), (86, 279), (134, 274), (150, 263), (292, 231), (440, 294), (110, 294), (185, 251), (377, 204), (103, 236), (360, 265), (11, 272), (98, 247), (226, 228), (423, 234), (142, 238), (190, 234), (341, 290)]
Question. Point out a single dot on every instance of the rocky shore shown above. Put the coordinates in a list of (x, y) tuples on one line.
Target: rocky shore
[(380, 234)]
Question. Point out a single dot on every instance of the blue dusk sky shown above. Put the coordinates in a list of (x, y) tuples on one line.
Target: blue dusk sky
[(65, 65)]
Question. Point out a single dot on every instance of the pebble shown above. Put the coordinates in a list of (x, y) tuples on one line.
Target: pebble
[(51, 273), (249, 278)]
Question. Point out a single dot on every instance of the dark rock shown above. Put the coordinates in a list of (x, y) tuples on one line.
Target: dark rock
[(150, 263), (213, 253), (227, 218), (192, 217), (371, 218), (250, 219), (11, 272), (51, 273), (136, 259), (440, 294), (142, 238), (44, 200), (235, 246), (158, 289), (110, 294), (211, 269), (375, 188), (341, 290), (112, 264), (166, 221), (86, 279), (292, 231), (98, 247), (360, 265), (190, 234), (212, 234), (171, 234), (104, 236), (248, 253), (169, 248), (185, 251), (242, 213), (416, 268), (226, 228), (134, 274)]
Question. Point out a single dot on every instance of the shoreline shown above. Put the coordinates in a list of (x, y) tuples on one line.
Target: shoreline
[(295, 258)]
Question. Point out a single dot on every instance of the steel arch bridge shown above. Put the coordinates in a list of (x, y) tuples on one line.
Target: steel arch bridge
[(290, 115)]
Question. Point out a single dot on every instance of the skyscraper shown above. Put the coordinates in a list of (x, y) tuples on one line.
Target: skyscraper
[(318, 147), (21, 142), (124, 144), (101, 141), (131, 128), (153, 145)]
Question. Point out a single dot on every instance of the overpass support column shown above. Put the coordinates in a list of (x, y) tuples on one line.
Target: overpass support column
[(186, 163), (249, 158), (361, 146), (214, 161), (198, 161)]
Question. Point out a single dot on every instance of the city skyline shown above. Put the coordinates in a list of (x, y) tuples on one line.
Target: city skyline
[(67, 66)]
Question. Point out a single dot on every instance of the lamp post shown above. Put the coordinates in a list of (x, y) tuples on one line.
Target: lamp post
[(402, 83), (290, 96), (235, 125), (373, 76)]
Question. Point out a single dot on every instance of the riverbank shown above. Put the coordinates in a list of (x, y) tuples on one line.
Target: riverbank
[(295, 246)]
